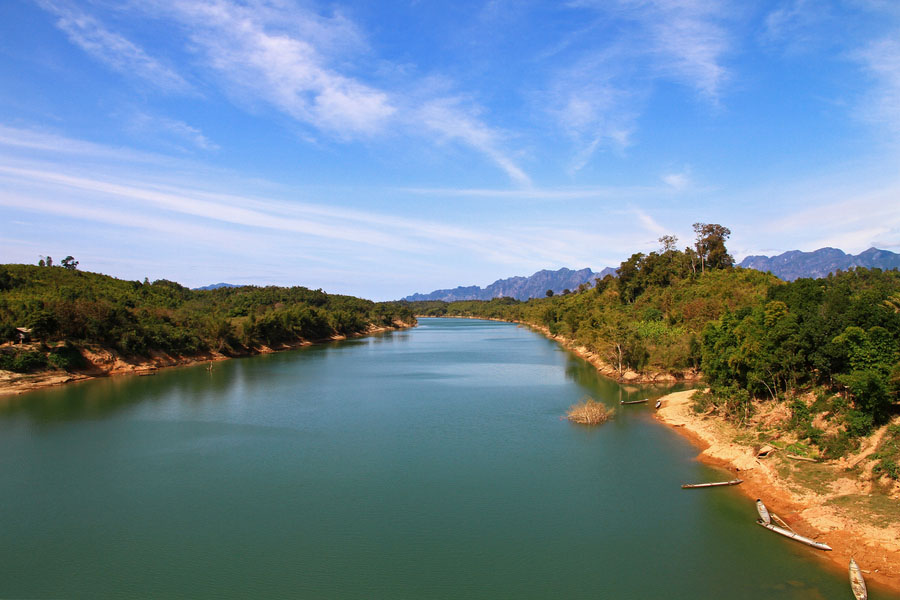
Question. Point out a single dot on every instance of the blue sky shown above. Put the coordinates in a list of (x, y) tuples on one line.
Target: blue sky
[(384, 148)]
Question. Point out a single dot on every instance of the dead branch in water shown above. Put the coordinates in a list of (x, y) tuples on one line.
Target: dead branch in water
[(589, 412)]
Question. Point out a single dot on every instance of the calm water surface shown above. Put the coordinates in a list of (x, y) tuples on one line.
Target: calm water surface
[(430, 463)]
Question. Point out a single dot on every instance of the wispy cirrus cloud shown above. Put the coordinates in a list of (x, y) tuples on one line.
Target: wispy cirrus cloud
[(113, 49), (598, 98), (593, 106), (251, 50), (685, 40), (312, 67), (448, 119), (881, 60), (166, 128)]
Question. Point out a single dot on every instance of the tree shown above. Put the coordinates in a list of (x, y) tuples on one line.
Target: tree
[(549, 293), (669, 243), (69, 263), (710, 245)]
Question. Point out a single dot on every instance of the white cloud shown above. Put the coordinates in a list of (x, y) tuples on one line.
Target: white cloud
[(113, 49), (649, 222), (688, 41), (252, 51), (593, 110), (685, 39), (299, 62), (678, 181), (164, 127), (881, 59), (445, 117), (797, 25), (599, 96)]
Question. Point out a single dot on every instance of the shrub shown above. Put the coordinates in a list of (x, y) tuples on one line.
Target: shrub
[(66, 357), (589, 412), (887, 467), (22, 362), (838, 445)]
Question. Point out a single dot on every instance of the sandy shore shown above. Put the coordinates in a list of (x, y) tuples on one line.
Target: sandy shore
[(875, 548)]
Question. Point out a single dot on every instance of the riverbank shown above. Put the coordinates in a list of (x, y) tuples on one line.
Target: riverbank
[(599, 363), (104, 362), (824, 501)]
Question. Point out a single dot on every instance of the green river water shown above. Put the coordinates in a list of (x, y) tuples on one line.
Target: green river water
[(427, 463)]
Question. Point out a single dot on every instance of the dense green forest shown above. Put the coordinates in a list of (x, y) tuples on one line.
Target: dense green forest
[(753, 336), (62, 304)]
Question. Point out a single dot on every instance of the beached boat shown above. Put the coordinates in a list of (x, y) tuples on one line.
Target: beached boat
[(690, 486), (765, 519), (857, 583), (763, 512), (795, 536), (632, 401), (658, 404)]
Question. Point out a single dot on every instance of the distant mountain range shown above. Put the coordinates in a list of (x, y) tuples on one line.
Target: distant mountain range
[(819, 263), (788, 267), (215, 286), (520, 288)]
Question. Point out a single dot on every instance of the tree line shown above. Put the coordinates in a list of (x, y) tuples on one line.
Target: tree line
[(135, 318)]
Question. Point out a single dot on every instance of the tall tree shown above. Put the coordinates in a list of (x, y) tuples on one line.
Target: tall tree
[(669, 243), (710, 245)]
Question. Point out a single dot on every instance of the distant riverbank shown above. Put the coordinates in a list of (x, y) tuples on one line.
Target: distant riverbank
[(820, 500), (606, 369), (105, 362)]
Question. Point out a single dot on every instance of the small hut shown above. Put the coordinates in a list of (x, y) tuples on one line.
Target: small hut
[(23, 334)]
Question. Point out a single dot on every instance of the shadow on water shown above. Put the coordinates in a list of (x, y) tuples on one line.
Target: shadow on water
[(107, 396), (611, 392)]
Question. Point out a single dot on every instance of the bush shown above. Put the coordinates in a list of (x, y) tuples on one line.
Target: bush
[(887, 467), (838, 445), (66, 357), (589, 412), (859, 423), (22, 362)]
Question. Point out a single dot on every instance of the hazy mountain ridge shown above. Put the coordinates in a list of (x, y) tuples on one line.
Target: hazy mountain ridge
[(215, 286), (819, 263), (520, 288)]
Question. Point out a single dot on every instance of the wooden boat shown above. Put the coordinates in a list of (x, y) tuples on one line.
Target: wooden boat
[(857, 583), (794, 536), (763, 512), (632, 401), (690, 486)]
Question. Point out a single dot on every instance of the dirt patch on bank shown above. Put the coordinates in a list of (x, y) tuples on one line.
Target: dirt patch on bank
[(819, 500)]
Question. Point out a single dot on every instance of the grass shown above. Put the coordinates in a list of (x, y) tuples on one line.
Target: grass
[(876, 509), (810, 476), (589, 412)]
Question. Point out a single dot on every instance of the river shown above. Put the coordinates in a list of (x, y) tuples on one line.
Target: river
[(425, 463)]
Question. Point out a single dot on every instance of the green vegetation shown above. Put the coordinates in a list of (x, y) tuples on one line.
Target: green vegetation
[(137, 318), (754, 337)]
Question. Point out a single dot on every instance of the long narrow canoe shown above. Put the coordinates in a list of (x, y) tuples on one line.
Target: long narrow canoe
[(795, 536), (690, 486), (763, 512), (632, 401), (857, 583)]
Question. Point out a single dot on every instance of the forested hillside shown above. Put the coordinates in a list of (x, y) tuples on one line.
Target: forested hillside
[(835, 342), (134, 318)]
